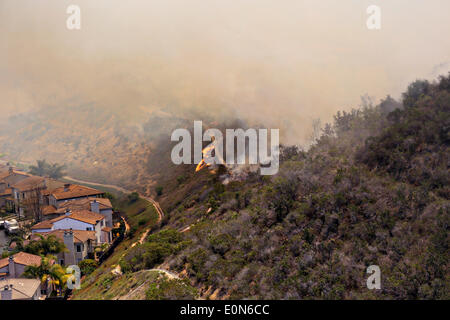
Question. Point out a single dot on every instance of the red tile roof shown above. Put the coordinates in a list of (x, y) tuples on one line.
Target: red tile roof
[(29, 183), (82, 215), (49, 210), (6, 174), (85, 204), (74, 191), (23, 258), (78, 235), (43, 225)]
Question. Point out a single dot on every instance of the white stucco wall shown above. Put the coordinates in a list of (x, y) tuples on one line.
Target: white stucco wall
[(69, 223), (108, 217)]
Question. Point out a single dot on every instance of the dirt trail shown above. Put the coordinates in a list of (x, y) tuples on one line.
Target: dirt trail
[(117, 270), (123, 190)]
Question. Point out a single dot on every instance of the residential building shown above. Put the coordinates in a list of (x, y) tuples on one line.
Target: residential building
[(27, 194), (20, 289), (13, 176), (79, 243), (72, 192), (8, 178), (14, 266), (96, 205), (78, 220)]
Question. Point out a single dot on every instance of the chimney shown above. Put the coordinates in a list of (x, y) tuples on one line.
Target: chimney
[(68, 212), (95, 206), (69, 257), (6, 293), (12, 267), (66, 187)]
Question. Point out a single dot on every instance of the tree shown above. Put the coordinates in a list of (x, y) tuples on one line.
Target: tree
[(48, 272), (43, 168), (281, 195), (40, 169), (45, 246), (133, 197), (56, 171)]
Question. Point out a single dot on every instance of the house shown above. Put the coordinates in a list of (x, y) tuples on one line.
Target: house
[(50, 212), (6, 197), (27, 194), (14, 266), (79, 243), (77, 220), (96, 205), (13, 176), (20, 289), (72, 192), (7, 179), (28, 184)]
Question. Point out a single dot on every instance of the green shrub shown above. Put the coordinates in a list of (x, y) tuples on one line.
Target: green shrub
[(133, 197), (175, 289), (88, 266)]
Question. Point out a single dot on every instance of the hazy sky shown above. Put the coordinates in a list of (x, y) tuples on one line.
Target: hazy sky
[(280, 62)]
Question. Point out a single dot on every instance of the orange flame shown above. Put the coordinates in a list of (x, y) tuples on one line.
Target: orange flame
[(202, 163)]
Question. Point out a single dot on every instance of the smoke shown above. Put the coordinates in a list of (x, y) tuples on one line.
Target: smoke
[(281, 64)]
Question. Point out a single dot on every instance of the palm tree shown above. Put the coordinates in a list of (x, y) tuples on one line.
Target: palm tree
[(48, 272), (56, 171), (43, 168), (45, 246), (40, 169)]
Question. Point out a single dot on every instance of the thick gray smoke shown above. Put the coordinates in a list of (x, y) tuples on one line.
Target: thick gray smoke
[(280, 63)]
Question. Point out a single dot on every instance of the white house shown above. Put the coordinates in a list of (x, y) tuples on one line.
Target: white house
[(77, 220), (96, 205)]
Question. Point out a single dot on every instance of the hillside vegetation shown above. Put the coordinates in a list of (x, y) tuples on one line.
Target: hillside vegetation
[(373, 190)]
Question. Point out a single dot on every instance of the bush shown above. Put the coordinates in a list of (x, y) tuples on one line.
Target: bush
[(143, 221), (133, 197), (175, 289), (159, 190), (88, 266), (152, 252), (281, 195)]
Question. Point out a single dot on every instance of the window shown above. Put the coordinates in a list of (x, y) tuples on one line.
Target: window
[(61, 262), (78, 247), (88, 229)]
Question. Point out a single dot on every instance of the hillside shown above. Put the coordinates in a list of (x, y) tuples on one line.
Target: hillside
[(95, 144), (108, 283), (373, 190)]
